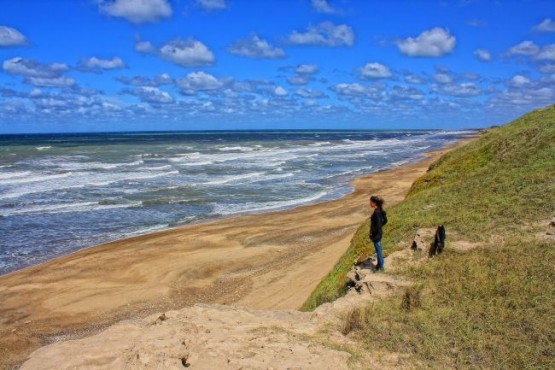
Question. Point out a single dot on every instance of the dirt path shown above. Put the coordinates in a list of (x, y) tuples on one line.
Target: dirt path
[(271, 260)]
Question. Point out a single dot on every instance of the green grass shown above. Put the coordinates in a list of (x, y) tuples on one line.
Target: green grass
[(492, 307)]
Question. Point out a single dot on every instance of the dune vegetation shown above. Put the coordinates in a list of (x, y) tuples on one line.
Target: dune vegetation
[(490, 307)]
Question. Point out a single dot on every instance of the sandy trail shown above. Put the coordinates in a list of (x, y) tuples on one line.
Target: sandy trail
[(272, 260), (209, 336)]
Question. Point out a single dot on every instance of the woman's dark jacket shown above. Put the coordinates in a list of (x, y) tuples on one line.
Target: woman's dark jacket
[(378, 219)]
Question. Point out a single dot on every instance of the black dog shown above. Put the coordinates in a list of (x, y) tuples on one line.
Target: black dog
[(439, 241)]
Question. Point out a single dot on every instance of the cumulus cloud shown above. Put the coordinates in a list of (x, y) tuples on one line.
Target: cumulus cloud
[(255, 47), (431, 43), (39, 74), (546, 68), (483, 55), (406, 93), (463, 90), (307, 69), (310, 94), (547, 25), (374, 70), (183, 52), (524, 48), (96, 64), (298, 80), (136, 11), (443, 78), (196, 82), (322, 6), (280, 91), (149, 94), (414, 79), (547, 53), (144, 47), (211, 5), (530, 49), (518, 81), (31, 68), (324, 34), (163, 79), (60, 81), (11, 37), (354, 89)]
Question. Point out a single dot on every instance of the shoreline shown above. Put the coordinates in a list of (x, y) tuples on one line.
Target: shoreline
[(352, 189), (261, 260)]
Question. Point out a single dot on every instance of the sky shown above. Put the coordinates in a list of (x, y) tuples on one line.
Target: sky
[(154, 65)]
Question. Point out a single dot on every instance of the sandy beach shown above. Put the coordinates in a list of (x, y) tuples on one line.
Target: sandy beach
[(270, 260)]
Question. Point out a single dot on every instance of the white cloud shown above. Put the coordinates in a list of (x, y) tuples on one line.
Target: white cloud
[(95, 63), (163, 79), (406, 93), (11, 37), (483, 55), (255, 47), (186, 53), (465, 89), (524, 48), (518, 81), (354, 89), (149, 94), (144, 47), (136, 11), (547, 68), (196, 82), (547, 52), (529, 48), (309, 93), (547, 25), (31, 68), (431, 43), (211, 5), (322, 6), (443, 78), (280, 91), (299, 80), (374, 70), (307, 69), (60, 81), (414, 79), (325, 34)]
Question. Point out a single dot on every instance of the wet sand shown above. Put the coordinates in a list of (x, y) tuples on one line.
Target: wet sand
[(270, 260)]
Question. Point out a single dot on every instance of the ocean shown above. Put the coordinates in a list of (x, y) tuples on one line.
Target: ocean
[(63, 192)]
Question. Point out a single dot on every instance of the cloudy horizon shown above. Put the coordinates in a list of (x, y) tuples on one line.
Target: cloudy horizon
[(126, 65)]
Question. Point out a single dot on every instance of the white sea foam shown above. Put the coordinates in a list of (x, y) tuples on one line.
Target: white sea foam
[(79, 180), (64, 208), (236, 148), (35, 178), (233, 178), (228, 209), (11, 175), (43, 147)]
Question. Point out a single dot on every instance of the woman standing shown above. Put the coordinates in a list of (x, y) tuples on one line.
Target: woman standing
[(377, 221)]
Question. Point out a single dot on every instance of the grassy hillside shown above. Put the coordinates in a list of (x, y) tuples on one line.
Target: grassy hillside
[(492, 307)]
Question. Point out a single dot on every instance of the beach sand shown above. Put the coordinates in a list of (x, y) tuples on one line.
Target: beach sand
[(270, 260)]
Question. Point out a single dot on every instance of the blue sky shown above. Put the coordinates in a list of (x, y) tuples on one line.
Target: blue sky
[(125, 65)]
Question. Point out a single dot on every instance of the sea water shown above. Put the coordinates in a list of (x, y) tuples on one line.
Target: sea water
[(64, 192)]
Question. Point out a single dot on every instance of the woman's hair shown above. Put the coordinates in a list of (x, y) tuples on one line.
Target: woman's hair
[(377, 200)]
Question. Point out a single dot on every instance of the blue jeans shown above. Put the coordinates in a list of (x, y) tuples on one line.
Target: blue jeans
[(379, 253)]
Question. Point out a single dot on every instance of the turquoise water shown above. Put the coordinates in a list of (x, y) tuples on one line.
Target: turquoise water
[(61, 193)]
